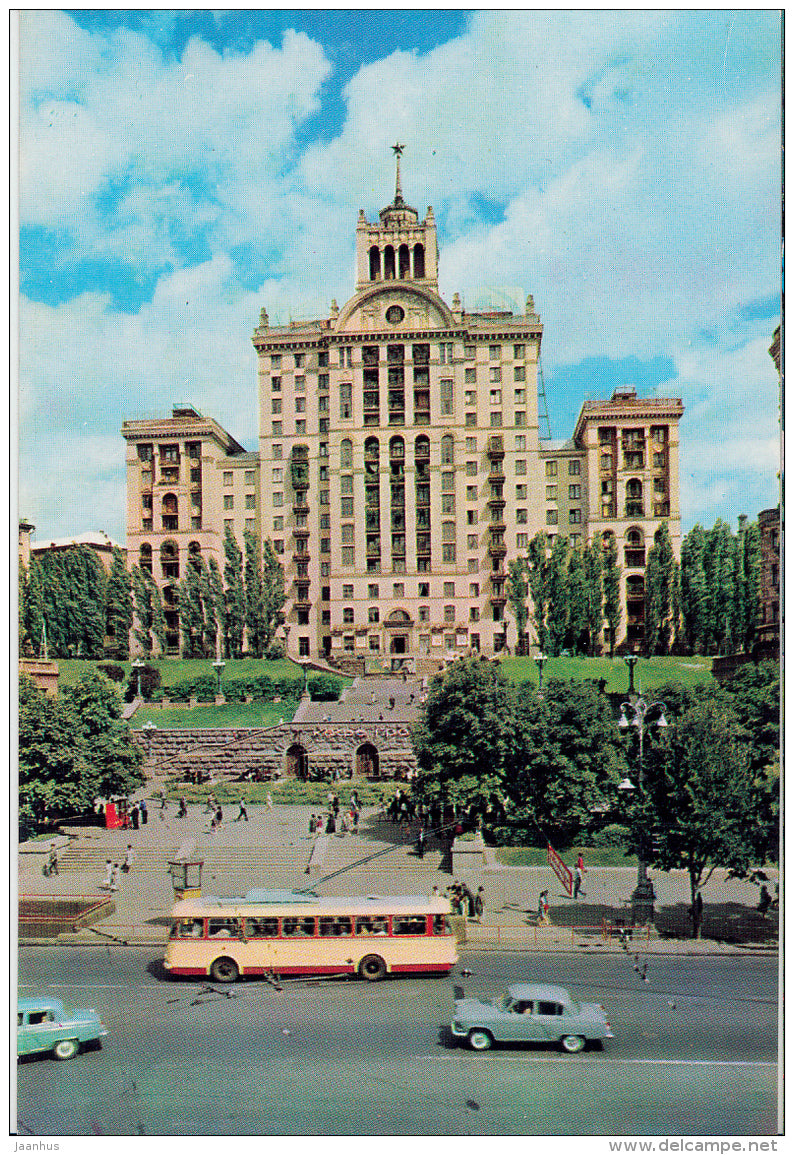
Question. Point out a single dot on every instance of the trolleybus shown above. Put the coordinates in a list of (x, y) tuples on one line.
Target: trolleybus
[(276, 932)]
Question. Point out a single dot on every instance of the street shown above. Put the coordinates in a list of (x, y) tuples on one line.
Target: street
[(695, 1052)]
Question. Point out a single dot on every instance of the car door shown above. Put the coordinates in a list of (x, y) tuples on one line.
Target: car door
[(520, 1023), (549, 1019), (41, 1031)]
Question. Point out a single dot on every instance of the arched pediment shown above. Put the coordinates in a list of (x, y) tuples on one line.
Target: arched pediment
[(421, 308)]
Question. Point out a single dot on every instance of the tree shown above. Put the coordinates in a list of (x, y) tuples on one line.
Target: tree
[(273, 593), (119, 608), (234, 615), (517, 590), (721, 589), (694, 592), (71, 749), (536, 565), (191, 608), (612, 607), (576, 633), (660, 626), (465, 741), (254, 597), (557, 596), (572, 759), (699, 798), (214, 607), (73, 587), (149, 627), (594, 592), (31, 612), (749, 582)]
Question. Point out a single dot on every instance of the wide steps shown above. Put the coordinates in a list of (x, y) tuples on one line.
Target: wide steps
[(215, 858)]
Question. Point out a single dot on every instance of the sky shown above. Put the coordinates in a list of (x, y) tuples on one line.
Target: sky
[(180, 170)]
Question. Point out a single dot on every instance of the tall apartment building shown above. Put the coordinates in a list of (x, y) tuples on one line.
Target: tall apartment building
[(401, 465)]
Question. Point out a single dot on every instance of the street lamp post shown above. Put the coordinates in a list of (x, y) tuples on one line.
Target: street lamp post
[(137, 666), (642, 898), (149, 730), (286, 641), (218, 666), (541, 660), (631, 661)]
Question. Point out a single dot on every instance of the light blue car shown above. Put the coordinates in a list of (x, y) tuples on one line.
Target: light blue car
[(46, 1025), (530, 1013)]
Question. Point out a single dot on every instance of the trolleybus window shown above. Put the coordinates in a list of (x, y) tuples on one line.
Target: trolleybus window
[(261, 927), (441, 924), (223, 928), (372, 925), (298, 927), (336, 925), (188, 928), (408, 924)]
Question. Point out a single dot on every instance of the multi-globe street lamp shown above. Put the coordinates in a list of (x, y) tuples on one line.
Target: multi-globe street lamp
[(137, 666), (638, 711), (218, 666), (541, 660)]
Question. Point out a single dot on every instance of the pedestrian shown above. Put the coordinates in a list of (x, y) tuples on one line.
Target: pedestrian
[(355, 814), (318, 829), (144, 812), (114, 877), (765, 900), (420, 844), (269, 800), (330, 824), (543, 908), (211, 807), (162, 801), (312, 825), (243, 811), (106, 881), (134, 815), (219, 816), (479, 902), (126, 865), (391, 703), (52, 861), (182, 808), (578, 877), (335, 805)]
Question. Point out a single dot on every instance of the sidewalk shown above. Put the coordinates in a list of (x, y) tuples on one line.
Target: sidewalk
[(273, 850)]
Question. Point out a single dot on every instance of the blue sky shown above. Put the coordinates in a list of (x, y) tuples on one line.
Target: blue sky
[(180, 170)]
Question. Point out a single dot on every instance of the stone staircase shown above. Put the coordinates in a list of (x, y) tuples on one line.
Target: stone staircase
[(218, 858), (348, 852)]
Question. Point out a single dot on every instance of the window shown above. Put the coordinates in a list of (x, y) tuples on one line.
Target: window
[(519, 352), (325, 497), (470, 377), (348, 531), (574, 540), (278, 523), (522, 540), (521, 465), (249, 477), (398, 590), (471, 444), (496, 396), (473, 565), (275, 405), (346, 483), (520, 442), (471, 492), (345, 358), (658, 485), (574, 492), (348, 616), (551, 517), (521, 493), (300, 404), (658, 461), (519, 373), (521, 417), (470, 352), (494, 352), (551, 493), (495, 374), (373, 615), (300, 425), (278, 544), (424, 613), (575, 517), (228, 501), (519, 396), (574, 468), (278, 498), (345, 400), (325, 521), (445, 350), (551, 468), (345, 507), (278, 451), (277, 429), (408, 924), (347, 592), (447, 398), (300, 360), (471, 516), (250, 501), (325, 568), (496, 419), (448, 482), (449, 613), (347, 555), (228, 478), (472, 541), (448, 531), (521, 517), (275, 384), (325, 545), (448, 503), (275, 361)]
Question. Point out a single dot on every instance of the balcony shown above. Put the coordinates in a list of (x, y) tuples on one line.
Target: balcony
[(496, 448), (497, 598), (301, 555), (299, 506), (301, 531), (634, 509), (497, 548), (497, 500), (422, 452), (302, 604), (634, 558)]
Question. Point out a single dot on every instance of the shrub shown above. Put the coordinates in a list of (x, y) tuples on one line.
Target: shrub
[(112, 671), (260, 687), (150, 681), (275, 651), (614, 835), (324, 688)]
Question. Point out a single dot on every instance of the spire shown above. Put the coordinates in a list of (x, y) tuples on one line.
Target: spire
[(397, 149)]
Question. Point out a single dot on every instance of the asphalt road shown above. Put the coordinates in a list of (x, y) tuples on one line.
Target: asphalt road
[(350, 1058)]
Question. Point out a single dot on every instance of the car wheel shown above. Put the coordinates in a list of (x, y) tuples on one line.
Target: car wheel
[(480, 1040), (225, 970), (572, 1043), (372, 968), (66, 1049)]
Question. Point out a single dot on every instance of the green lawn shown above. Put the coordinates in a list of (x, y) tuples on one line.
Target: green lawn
[(648, 673), (174, 670), (536, 856), (205, 717)]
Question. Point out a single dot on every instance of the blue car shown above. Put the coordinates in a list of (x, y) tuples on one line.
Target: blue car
[(530, 1013), (45, 1024)]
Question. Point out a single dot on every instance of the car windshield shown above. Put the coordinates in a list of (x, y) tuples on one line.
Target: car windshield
[(505, 1003)]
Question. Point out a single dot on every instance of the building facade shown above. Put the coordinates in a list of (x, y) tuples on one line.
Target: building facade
[(400, 467)]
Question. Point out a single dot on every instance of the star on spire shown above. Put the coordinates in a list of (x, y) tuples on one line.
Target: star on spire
[(397, 149)]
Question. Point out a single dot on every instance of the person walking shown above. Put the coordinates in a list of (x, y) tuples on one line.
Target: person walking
[(114, 877), (330, 823), (269, 800), (144, 812), (52, 862), (578, 877), (106, 881), (129, 857), (182, 808), (211, 805), (543, 908), (219, 816), (243, 811), (312, 825), (479, 902), (420, 844), (134, 815)]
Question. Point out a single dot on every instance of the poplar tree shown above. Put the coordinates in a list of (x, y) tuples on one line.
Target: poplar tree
[(536, 567), (557, 595), (576, 634), (191, 609), (149, 620), (119, 608), (594, 592), (750, 572), (694, 592), (254, 597), (612, 607), (234, 614), (659, 595), (31, 610), (214, 607), (517, 598), (273, 593)]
